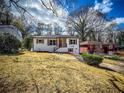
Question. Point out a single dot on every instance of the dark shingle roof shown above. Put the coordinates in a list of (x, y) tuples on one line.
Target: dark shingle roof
[(55, 36)]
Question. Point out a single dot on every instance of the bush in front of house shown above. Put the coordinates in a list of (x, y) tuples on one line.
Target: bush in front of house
[(113, 57), (9, 43), (92, 59)]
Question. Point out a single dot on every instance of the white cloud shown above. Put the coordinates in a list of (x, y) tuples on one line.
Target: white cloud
[(119, 20), (105, 6), (43, 15), (116, 21), (46, 16)]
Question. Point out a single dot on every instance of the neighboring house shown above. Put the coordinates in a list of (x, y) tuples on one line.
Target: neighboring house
[(56, 43), (12, 30), (97, 47), (84, 46)]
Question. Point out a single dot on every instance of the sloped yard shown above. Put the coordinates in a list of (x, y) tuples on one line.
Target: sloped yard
[(117, 66), (31, 72)]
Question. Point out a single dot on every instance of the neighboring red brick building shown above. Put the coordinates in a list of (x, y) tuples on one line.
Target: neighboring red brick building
[(94, 46)]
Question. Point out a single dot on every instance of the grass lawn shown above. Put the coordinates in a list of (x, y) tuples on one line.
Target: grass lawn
[(114, 62), (31, 72)]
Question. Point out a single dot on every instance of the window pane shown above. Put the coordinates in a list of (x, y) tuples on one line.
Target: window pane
[(70, 50), (52, 42), (72, 41), (40, 41)]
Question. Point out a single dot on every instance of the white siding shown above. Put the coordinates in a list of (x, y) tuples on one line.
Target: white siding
[(49, 48), (43, 47), (74, 46)]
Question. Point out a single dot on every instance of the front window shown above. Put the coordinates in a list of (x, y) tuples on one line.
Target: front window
[(70, 50), (72, 41), (40, 41), (52, 42)]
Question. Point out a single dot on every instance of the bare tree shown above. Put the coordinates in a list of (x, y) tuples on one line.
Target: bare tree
[(53, 5), (111, 33), (67, 4), (88, 23), (50, 5), (120, 37)]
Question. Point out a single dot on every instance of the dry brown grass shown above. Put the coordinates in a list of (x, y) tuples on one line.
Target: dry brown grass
[(34, 72), (114, 62)]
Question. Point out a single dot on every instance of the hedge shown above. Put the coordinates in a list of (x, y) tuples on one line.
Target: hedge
[(9, 43), (92, 59), (113, 57)]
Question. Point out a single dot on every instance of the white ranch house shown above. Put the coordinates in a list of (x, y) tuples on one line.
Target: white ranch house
[(56, 43)]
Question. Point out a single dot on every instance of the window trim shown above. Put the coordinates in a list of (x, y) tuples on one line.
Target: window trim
[(40, 41), (72, 41), (52, 42)]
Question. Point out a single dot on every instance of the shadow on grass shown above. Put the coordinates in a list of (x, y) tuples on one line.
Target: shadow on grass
[(12, 54), (105, 68)]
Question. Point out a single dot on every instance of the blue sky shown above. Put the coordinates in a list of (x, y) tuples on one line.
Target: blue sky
[(113, 8), (117, 7)]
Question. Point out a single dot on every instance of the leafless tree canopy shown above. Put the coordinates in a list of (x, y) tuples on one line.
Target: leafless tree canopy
[(88, 23)]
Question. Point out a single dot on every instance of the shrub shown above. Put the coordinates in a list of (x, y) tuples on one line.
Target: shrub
[(114, 57), (92, 59), (27, 43), (9, 43)]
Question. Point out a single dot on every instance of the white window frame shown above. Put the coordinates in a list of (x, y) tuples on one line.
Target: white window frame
[(52, 42), (72, 41), (40, 41)]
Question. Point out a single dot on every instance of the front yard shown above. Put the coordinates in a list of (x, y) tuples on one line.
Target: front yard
[(32, 72)]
